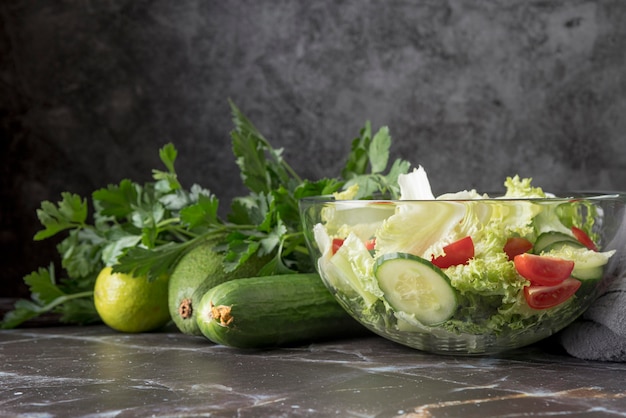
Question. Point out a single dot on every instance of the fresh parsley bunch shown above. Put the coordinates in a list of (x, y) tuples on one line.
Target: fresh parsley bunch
[(152, 216), (145, 229)]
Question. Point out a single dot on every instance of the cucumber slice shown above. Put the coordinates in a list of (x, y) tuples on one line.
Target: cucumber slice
[(415, 286), (583, 257), (558, 245), (588, 273), (547, 238), (589, 278)]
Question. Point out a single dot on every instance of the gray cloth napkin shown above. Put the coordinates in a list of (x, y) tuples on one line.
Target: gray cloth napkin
[(600, 333)]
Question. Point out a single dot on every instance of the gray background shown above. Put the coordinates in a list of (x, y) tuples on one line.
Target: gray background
[(473, 90)]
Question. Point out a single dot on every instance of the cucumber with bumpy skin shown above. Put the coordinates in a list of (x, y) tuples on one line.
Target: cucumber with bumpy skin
[(417, 287), (189, 273), (272, 311), (198, 271)]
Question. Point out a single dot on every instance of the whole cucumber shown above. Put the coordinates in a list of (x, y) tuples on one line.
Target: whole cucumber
[(197, 272), (271, 311)]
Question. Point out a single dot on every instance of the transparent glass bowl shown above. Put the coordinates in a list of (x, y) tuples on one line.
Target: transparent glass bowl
[(485, 321)]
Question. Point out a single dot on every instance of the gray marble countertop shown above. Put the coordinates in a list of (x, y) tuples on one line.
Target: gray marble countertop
[(92, 371)]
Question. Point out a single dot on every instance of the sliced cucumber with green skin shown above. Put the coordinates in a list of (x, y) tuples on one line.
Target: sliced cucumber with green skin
[(417, 287), (589, 278), (548, 238), (557, 245), (588, 273)]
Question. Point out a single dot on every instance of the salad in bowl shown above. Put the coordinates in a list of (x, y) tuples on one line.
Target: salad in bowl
[(465, 272)]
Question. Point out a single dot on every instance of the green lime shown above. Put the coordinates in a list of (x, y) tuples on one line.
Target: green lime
[(131, 304)]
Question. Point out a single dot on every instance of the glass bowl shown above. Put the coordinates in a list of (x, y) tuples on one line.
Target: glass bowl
[(471, 277)]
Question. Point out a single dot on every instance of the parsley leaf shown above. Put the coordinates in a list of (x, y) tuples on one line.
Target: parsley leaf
[(202, 213), (70, 212), (262, 167), (117, 200), (168, 156), (379, 150), (47, 296), (373, 152)]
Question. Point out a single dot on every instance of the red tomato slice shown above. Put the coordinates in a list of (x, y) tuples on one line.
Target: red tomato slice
[(337, 243), (458, 252), (516, 246), (543, 270), (584, 239), (544, 297)]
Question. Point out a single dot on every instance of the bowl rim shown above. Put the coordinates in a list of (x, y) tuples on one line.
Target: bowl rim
[(565, 196)]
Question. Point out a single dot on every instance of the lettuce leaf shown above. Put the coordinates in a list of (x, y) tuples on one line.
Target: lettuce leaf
[(350, 269), (415, 227), (522, 188)]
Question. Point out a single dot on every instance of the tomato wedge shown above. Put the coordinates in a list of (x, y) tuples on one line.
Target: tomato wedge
[(516, 246), (337, 243), (370, 244), (584, 239), (543, 270), (458, 252), (544, 297)]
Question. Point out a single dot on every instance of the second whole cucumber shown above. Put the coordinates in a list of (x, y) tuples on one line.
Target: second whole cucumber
[(197, 272)]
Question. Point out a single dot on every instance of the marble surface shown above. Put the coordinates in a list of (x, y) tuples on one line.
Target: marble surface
[(95, 372), (90, 89)]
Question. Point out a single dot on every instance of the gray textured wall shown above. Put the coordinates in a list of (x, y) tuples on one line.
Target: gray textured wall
[(472, 90)]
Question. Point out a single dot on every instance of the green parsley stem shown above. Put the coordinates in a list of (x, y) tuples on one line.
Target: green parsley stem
[(291, 171), (167, 221), (66, 298)]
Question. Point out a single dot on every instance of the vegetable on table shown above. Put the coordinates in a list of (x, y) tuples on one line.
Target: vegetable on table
[(278, 310), (193, 269), (199, 270), (131, 304)]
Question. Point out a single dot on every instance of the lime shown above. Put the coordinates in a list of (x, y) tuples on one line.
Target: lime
[(131, 304)]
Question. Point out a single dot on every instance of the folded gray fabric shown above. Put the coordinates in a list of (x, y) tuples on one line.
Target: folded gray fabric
[(589, 340), (600, 334)]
